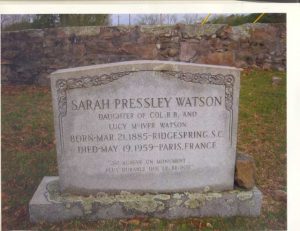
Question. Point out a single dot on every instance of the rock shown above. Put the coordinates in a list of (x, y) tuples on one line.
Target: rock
[(164, 53), (146, 51), (279, 195), (187, 51), (175, 39), (220, 58), (276, 80), (172, 52), (264, 34), (266, 66), (260, 59), (260, 44), (224, 32), (278, 68), (244, 171), (158, 46), (241, 64), (167, 35)]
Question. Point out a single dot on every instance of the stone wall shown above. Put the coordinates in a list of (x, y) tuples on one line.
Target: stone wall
[(29, 56)]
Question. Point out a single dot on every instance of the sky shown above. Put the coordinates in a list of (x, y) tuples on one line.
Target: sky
[(134, 18)]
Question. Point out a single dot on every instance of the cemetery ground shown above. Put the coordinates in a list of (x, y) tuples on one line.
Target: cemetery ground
[(28, 154)]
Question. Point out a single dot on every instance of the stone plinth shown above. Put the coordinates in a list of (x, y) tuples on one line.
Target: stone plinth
[(49, 205)]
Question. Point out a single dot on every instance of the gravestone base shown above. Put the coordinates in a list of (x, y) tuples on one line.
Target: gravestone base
[(48, 204)]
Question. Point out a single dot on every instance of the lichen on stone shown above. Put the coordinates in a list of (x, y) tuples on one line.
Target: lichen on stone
[(68, 205), (251, 203), (229, 201), (211, 196), (142, 203), (193, 203), (176, 196), (162, 197), (105, 199), (144, 206), (147, 203), (242, 196), (87, 206), (52, 193), (206, 189), (235, 191), (178, 202), (194, 200)]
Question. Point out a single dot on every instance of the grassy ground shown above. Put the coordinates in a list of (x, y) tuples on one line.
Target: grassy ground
[(28, 154)]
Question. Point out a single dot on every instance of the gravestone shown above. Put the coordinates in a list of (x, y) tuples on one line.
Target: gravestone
[(144, 138)]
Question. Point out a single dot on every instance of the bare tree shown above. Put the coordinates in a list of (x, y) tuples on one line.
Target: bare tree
[(3, 20), (9, 19), (148, 19), (191, 18), (152, 19), (160, 19), (109, 20), (173, 19), (129, 19)]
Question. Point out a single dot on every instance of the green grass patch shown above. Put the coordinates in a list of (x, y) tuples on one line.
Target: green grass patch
[(28, 154)]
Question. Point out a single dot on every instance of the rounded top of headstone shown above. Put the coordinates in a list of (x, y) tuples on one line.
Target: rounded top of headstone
[(144, 65)]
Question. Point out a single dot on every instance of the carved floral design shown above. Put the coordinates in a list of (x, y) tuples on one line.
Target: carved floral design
[(207, 78)]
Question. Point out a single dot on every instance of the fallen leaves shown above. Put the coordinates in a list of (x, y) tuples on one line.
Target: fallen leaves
[(20, 212), (4, 196), (262, 131), (133, 222), (209, 225), (280, 195)]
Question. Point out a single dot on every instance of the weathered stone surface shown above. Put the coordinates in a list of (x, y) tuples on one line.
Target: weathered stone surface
[(256, 45), (145, 51), (226, 57), (147, 126), (266, 66), (188, 51), (244, 171), (172, 52), (49, 205)]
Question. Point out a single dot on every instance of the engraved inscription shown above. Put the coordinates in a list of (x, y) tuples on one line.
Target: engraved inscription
[(145, 126), (101, 104)]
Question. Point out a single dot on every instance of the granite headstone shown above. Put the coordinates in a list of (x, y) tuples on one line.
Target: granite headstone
[(144, 138), (150, 126)]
